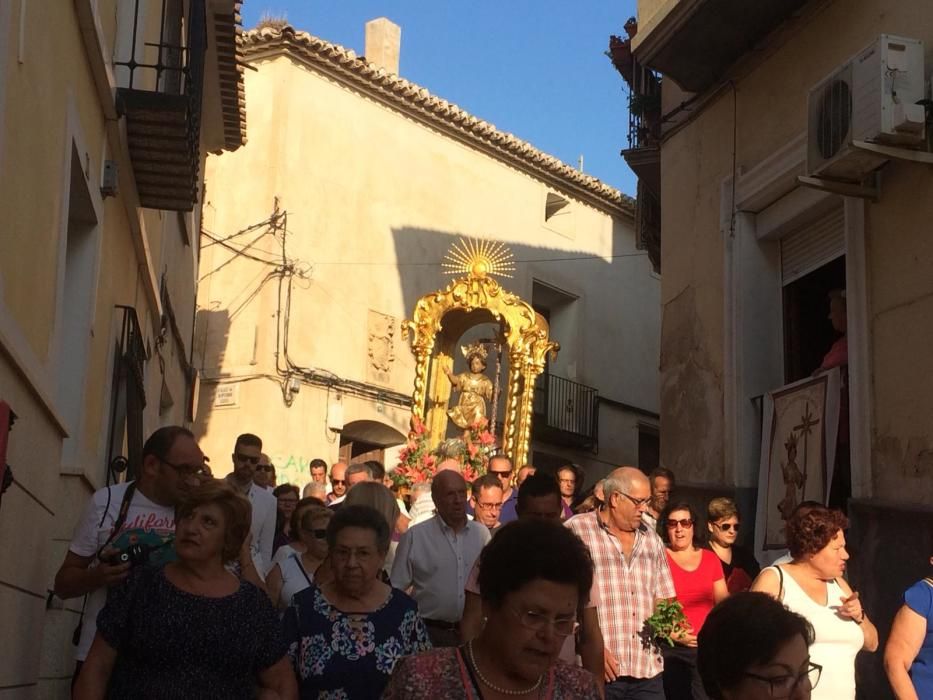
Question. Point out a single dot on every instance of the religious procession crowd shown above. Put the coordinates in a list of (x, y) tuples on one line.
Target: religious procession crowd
[(514, 586)]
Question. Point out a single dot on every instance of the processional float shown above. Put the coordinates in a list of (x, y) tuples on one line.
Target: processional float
[(442, 317)]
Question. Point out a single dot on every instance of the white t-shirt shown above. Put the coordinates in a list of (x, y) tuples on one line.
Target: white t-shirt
[(145, 522)]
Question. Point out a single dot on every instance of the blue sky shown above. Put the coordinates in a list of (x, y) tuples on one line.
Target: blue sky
[(535, 69)]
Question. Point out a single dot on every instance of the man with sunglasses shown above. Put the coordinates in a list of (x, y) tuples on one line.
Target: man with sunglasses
[(139, 512), (500, 467), (632, 575), (247, 454)]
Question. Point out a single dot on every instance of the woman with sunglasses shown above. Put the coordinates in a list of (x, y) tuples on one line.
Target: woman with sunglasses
[(296, 571), (699, 583), (738, 563), (534, 578)]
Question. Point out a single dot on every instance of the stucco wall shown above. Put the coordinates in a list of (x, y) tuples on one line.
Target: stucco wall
[(374, 200), (49, 106), (770, 104)]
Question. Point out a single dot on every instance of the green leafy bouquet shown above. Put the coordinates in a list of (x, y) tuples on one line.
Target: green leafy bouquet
[(666, 622)]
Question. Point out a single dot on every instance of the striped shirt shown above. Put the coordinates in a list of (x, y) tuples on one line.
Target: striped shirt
[(627, 591)]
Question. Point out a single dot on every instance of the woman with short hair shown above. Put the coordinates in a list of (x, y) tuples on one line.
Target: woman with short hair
[(753, 648), (295, 572), (812, 585), (699, 584), (345, 635), (191, 628), (378, 496), (738, 563), (534, 578)]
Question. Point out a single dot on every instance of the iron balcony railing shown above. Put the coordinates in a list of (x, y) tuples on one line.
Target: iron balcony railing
[(161, 99), (644, 114), (566, 410)]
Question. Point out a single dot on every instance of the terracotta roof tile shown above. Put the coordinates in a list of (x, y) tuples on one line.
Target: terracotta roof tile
[(416, 100)]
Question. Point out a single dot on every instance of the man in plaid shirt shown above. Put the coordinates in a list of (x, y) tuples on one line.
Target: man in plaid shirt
[(632, 575)]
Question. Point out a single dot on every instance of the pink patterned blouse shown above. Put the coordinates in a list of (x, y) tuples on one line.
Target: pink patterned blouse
[(443, 673)]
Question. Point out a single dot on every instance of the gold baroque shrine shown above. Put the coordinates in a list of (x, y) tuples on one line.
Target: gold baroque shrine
[(442, 317)]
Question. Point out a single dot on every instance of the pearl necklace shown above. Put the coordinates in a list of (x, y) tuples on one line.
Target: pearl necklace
[(491, 686)]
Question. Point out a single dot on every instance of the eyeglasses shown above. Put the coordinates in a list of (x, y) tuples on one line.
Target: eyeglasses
[(188, 469), (784, 686), (726, 527), (568, 481), (501, 475), (637, 502), (489, 506), (538, 622), (315, 533), (338, 481), (240, 457), (265, 468), (683, 522)]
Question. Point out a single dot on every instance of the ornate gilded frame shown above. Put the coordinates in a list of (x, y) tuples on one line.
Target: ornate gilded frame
[(441, 318)]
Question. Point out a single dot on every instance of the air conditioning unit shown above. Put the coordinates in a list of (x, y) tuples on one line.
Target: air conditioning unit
[(871, 98)]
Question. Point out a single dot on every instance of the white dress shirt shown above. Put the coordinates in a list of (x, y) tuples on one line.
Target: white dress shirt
[(262, 527), (434, 562)]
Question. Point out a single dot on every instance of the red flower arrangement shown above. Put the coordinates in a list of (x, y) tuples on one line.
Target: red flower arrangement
[(418, 463)]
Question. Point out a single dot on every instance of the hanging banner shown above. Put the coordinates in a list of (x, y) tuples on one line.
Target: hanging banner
[(798, 448)]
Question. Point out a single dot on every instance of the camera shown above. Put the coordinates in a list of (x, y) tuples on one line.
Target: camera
[(134, 555)]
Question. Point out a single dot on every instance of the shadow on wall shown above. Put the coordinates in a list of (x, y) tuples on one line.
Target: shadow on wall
[(569, 287), (212, 331)]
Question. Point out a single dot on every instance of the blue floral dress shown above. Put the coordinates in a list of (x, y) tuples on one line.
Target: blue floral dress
[(340, 656)]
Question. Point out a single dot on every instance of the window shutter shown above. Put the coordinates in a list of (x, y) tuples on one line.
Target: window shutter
[(813, 246)]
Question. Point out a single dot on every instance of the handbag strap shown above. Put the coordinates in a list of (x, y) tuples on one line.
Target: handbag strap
[(301, 567), (781, 583)]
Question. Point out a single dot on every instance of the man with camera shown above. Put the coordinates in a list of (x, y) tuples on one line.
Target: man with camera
[(128, 524)]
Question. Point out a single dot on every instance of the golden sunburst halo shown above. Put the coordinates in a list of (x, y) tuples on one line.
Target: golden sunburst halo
[(469, 256)]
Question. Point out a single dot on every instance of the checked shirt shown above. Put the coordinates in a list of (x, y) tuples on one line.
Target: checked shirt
[(627, 591)]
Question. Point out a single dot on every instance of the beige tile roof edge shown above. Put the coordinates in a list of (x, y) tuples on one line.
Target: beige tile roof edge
[(413, 99)]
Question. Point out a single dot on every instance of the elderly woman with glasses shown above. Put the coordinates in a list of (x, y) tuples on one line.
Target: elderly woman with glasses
[(699, 584), (812, 586), (346, 634), (191, 629), (534, 579), (738, 563), (753, 648), (296, 571)]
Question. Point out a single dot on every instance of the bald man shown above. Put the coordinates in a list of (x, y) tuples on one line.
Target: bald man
[(632, 574), (435, 557)]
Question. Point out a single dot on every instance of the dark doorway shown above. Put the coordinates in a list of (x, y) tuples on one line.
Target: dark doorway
[(649, 448), (808, 334)]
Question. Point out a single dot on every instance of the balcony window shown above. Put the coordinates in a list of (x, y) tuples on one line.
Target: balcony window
[(161, 72)]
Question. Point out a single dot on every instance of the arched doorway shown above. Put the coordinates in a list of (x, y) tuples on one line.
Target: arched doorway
[(364, 440)]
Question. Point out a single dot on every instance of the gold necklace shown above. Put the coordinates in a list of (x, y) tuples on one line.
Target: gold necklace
[(492, 686)]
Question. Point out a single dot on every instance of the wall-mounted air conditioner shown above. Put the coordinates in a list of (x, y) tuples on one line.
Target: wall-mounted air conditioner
[(872, 98)]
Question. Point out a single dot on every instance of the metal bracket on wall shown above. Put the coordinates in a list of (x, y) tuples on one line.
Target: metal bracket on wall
[(895, 152), (870, 189)]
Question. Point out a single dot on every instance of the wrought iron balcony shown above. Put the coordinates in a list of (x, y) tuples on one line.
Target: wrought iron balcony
[(162, 103), (565, 412)]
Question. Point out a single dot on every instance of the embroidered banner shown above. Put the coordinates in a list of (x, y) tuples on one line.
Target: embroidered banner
[(798, 448)]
